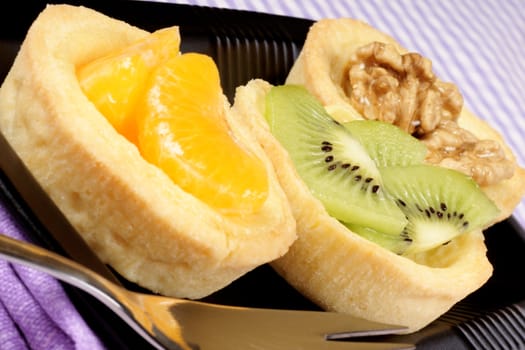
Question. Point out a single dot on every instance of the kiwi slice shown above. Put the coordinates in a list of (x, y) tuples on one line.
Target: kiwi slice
[(332, 163), (397, 243), (439, 203), (387, 144)]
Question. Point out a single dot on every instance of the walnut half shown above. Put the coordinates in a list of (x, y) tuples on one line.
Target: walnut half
[(400, 89)]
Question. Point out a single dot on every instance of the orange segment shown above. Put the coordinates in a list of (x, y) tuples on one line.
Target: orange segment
[(114, 83), (171, 107), (182, 129)]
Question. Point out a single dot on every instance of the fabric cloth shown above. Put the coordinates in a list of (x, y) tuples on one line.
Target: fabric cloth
[(479, 45), (35, 312)]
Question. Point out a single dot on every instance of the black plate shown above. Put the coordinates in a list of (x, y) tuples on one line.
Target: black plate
[(245, 45)]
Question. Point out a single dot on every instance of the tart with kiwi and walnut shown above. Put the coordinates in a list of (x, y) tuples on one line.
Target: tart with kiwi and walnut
[(391, 180)]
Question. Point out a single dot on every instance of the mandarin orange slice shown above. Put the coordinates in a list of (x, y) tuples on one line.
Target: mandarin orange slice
[(114, 83), (172, 107), (182, 129)]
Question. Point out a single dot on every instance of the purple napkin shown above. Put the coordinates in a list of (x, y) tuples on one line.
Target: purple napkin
[(35, 312)]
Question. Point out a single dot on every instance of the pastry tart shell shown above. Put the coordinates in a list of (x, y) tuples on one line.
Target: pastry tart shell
[(337, 269), (128, 211), (341, 271)]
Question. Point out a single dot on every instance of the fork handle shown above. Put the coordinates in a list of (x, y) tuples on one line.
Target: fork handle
[(20, 252), (68, 271)]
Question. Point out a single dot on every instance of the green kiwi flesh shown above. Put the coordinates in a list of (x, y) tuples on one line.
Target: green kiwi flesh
[(332, 163), (439, 203), (394, 242), (387, 144)]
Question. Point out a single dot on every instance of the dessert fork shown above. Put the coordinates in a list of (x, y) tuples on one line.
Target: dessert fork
[(169, 323)]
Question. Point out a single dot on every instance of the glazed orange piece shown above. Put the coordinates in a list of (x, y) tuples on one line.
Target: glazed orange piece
[(183, 130), (115, 83), (172, 107)]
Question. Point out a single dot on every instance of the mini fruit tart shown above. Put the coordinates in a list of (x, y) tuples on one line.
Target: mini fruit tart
[(137, 146), (383, 216), (398, 244), (359, 72)]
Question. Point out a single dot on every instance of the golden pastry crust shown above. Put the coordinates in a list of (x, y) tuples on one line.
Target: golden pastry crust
[(321, 68), (340, 271), (128, 211)]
